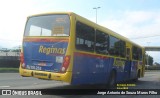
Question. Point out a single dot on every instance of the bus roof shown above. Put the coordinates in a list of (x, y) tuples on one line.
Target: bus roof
[(90, 23), (50, 13)]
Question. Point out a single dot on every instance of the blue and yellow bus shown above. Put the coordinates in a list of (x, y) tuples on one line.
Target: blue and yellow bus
[(64, 46)]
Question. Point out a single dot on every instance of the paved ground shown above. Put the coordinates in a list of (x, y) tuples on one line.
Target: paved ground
[(14, 81)]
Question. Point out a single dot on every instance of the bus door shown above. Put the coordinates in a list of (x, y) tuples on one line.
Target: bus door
[(127, 69)]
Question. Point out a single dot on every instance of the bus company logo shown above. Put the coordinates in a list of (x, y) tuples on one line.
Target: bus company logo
[(51, 50), (119, 63), (6, 92)]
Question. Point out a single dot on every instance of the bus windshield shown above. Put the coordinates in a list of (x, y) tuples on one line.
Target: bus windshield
[(48, 25)]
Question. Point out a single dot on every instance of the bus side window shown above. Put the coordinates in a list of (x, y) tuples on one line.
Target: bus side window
[(128, 54), (102, 43), (116, 47), (122, 49), (137, 53), (85, 37), (140, 54)]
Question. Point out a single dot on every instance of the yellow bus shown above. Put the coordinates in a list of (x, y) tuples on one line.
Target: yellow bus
[(64, 46)]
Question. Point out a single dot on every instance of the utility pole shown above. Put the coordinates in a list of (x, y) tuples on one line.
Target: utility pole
[(148, 55), (96, 8)]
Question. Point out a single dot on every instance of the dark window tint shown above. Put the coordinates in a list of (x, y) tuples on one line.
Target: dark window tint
[(85, 36), (122, 48), (136, 53), (116, 47), (140, 54), (101, 45)]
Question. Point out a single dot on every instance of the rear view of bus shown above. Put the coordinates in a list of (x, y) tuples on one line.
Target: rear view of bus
[(45, 53)]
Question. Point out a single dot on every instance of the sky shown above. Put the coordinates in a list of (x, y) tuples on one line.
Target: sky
[(138, 20)]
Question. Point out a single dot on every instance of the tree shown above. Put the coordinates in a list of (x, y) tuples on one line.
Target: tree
[(157, 64), (148, 59)]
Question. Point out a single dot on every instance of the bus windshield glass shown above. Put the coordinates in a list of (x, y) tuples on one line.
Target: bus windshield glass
[(48, 25)]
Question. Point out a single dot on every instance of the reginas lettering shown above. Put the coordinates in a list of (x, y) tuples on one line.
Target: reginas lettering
[(50, 50)]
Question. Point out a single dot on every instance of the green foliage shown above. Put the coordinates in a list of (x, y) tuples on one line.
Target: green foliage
[(3, 70), (152, 67), (148, 59)]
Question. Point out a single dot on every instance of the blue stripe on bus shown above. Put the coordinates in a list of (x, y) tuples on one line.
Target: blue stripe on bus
[(89, 69), (42, 55)]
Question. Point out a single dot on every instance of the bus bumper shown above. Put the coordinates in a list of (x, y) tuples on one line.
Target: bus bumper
[(66, 77)]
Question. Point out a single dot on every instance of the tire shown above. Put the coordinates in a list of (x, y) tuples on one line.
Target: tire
[(135, 80), (112, 80)]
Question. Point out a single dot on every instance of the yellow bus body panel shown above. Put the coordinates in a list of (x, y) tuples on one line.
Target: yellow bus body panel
[(66, 77)]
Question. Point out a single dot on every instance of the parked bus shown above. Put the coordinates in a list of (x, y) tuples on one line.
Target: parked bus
[(66, 47)]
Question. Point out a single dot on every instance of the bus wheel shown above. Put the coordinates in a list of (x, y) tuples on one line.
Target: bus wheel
[(112, 79)]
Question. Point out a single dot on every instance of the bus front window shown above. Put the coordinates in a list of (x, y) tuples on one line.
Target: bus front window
[(48, 25)]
